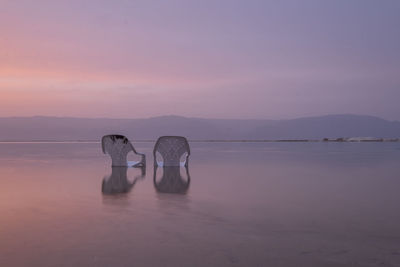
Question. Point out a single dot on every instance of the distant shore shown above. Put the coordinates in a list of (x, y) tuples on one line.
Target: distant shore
[(337, 140)]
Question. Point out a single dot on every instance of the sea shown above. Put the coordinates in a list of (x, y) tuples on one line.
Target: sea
[(236, 204)]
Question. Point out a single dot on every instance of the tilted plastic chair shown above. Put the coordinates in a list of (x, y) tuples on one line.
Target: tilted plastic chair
[(171, 149), (118, 147)]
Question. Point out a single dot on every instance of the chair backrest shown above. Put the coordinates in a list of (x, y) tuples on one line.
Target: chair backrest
[(117, 146), (171, 149)]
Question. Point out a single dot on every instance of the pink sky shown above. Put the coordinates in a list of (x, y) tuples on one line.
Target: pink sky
[(226, 59)]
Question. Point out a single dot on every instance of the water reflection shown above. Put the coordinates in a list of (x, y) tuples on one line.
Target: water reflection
[(296, 207), (171, 180), (118, 181)]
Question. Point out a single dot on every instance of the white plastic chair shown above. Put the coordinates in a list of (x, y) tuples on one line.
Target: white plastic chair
[(171, 149), (118, 147)]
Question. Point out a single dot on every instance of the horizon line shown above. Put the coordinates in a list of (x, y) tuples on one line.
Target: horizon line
[(323, 140)]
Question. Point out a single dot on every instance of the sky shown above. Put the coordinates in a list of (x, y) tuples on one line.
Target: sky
[(207, 58)]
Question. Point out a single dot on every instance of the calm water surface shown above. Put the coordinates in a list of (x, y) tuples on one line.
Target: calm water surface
[(246, 204)]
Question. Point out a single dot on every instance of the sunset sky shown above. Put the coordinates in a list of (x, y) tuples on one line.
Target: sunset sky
[(209, 58)]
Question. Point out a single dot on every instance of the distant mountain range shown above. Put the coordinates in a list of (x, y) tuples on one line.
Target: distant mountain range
[(61, 129)]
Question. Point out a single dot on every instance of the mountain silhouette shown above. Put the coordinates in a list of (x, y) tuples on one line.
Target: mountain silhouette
[(40, 128)]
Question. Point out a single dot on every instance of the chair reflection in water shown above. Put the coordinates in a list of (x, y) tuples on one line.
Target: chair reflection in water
[(118, 181), (118, 147), (172, 149)]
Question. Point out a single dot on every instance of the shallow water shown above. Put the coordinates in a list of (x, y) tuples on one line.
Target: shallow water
[(246, 204)]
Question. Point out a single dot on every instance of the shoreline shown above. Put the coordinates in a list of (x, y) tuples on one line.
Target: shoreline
[(207, 141)]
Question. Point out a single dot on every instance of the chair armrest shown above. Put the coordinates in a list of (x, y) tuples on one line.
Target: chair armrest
[(143, 160), (187, 160)]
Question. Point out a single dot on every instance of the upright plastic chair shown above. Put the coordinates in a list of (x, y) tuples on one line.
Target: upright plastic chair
[(171, 149), (118, 147)]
